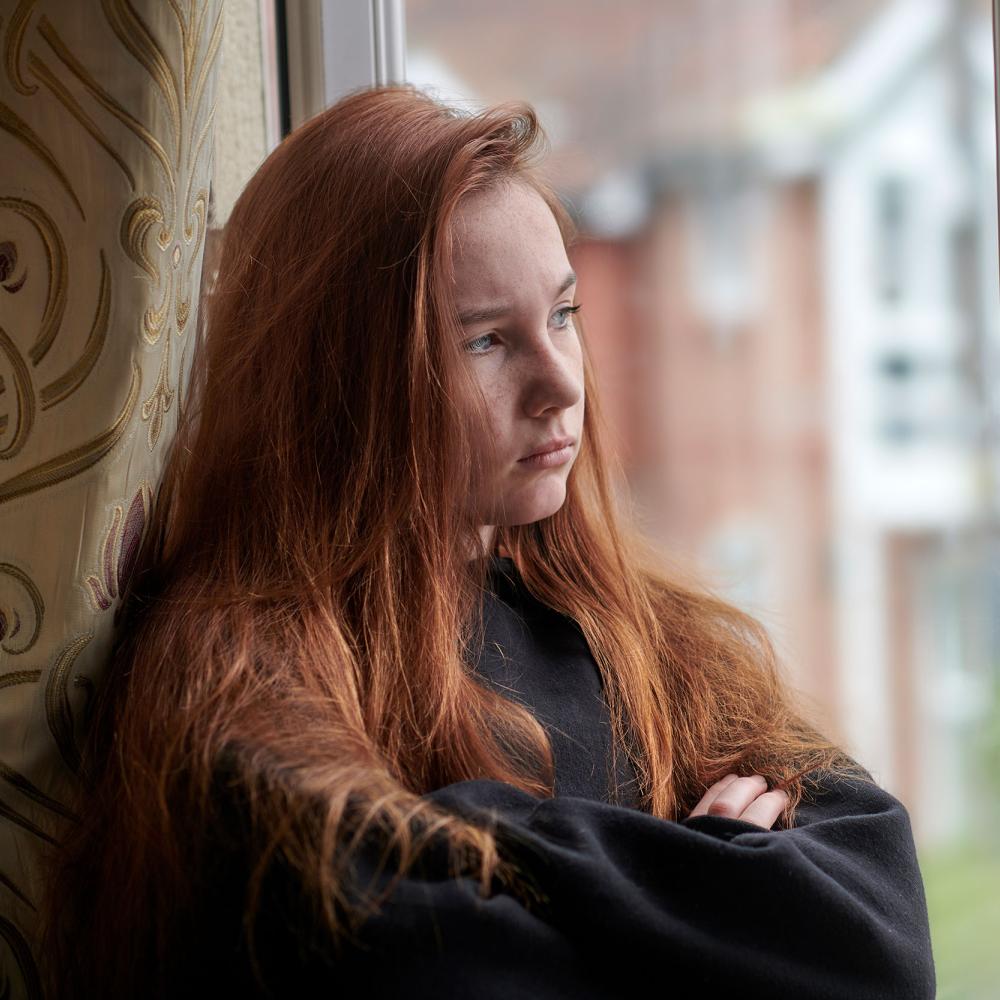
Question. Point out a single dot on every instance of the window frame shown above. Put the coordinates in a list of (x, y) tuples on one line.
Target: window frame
[(335, 46)]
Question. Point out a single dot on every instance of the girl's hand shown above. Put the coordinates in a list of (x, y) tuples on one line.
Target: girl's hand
[(743, 798)]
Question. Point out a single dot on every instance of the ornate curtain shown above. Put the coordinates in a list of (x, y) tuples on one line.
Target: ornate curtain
[(106, 108)]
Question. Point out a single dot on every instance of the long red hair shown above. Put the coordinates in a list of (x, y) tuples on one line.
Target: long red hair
[(304, 601)]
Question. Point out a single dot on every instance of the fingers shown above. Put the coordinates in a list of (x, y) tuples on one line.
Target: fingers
[(712, 794), (766, 808), (736, 796), (743, 798)]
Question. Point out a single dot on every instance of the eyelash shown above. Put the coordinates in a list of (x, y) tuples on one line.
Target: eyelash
[(565, 309)]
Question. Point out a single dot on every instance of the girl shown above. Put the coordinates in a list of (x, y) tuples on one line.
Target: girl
[(401, 699)]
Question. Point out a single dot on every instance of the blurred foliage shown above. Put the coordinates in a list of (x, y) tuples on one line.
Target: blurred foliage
[(987, 752), (963, 902)]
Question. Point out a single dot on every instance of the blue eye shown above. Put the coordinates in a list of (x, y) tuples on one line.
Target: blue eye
[(570, 310), (469, 347)]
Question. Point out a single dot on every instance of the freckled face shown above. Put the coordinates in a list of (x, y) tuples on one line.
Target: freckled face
[(523, 350)]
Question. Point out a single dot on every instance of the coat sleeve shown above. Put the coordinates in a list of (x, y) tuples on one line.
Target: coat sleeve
[(830, 909)]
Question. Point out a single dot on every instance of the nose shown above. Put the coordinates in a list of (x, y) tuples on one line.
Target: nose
[(553, 378)]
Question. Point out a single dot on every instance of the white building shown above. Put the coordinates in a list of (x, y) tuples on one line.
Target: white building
[(909, 215)]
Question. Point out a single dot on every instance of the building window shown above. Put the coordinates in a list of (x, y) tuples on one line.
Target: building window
[(893, 208)]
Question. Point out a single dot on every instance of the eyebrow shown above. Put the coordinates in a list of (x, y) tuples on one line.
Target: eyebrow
[(471, 316)]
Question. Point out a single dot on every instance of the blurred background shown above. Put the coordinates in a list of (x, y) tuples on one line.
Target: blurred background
[(788, 269)]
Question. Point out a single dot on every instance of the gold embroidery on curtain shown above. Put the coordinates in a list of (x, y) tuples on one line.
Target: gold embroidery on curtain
[(30, 791), (37, 606), (12, 53), (42, 71), (76, 460), (55, 259), (58, 713), (60, 48), (74, 377), (20, 129)]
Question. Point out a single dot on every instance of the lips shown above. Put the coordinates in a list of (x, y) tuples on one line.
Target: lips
[(554, 444)]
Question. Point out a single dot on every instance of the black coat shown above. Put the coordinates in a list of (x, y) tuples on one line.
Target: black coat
[(628, 904)]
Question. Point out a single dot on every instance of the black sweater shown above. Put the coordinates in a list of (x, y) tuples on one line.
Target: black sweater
[(538, 657), (628, 904)]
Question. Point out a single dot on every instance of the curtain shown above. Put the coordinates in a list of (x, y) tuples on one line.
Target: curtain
[(106, 131)]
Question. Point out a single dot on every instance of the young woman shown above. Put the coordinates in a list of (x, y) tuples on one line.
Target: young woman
[(401, 699)]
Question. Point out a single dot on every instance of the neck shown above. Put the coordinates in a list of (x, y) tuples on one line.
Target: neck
[(488, 534)]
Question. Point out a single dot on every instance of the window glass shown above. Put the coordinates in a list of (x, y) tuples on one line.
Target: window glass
[(789, 278)]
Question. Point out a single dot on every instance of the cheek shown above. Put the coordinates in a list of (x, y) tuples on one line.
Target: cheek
[(499, 397), (491, 432)]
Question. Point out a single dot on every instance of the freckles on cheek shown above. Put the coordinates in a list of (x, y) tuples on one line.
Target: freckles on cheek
[(489, 427), (501, 418)]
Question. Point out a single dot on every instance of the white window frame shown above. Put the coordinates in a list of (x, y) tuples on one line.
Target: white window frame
[(335, 46), (996, 84)]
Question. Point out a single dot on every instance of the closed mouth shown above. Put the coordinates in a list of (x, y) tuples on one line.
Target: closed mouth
[(557, 445)]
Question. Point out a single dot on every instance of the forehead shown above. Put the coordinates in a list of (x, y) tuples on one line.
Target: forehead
[(505, 240)]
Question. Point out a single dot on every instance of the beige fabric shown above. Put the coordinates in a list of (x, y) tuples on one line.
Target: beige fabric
[(106, 143)]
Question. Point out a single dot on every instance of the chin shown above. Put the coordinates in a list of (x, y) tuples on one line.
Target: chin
[(543, 504)]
